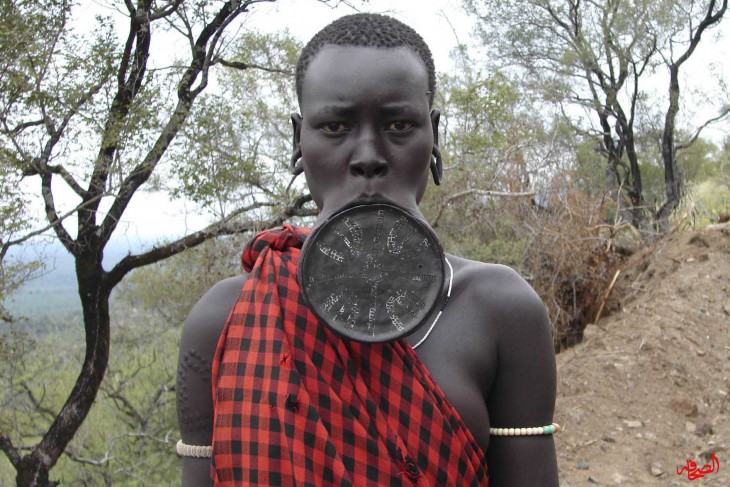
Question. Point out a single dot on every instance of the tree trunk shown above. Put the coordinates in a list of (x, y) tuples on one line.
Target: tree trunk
[(672, 181), (612, 177), (32, 472), (636, 190), (34, 467), (615, 182)]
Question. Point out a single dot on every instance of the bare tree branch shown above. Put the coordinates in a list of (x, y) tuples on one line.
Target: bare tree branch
[(709, 20), (42, 230), (198, 67), (723, 114), (672, 177), (166, 10), (10, 451), (130, 73), (70, 180), (224, 227), (37, 403), (21, 126), (475, 192), (54, 220), (243, 66), (127, 408)]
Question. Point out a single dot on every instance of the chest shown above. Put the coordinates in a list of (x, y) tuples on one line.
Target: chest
[(461, 357)]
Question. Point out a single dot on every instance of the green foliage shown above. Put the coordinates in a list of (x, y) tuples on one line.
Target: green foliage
[(165, 292), (478, 110), (712, 199), (33, 382), (46, 70), (523, 191), (700, 162), (24, 34), (591, 60), (131, 431), (590, 166), (237, 147), (130, 434), (93, 116), (13, 274), (481, 132)]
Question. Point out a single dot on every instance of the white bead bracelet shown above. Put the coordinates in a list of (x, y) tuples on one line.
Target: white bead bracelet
[(193, 451), (536, 430), (196, 451)]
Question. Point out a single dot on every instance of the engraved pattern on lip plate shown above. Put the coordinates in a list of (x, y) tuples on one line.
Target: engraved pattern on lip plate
[(372, 273)]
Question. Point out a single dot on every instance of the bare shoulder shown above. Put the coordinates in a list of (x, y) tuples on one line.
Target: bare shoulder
[(208, 316), (518, 338), (512, 306)]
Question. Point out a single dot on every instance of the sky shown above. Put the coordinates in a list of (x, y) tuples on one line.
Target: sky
[(303, 18), (443, 25)]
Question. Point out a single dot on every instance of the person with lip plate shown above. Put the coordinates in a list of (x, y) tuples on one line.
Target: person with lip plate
[(284, 376)]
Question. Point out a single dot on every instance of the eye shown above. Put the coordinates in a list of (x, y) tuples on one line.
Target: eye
[(334, 127), (399, 126)]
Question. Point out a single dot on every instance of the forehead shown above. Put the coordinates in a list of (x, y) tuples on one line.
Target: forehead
[(350, 74)]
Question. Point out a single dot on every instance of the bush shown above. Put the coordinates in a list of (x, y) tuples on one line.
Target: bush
[(561, 246)]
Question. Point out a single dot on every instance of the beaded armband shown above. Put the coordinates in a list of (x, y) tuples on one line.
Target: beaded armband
[(536, 430), (193, 451), (196, 451)]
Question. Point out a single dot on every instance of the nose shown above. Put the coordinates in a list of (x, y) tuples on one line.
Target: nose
[(367, 159)]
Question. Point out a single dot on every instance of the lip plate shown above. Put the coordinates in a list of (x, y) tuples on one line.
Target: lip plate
[(372, 272)]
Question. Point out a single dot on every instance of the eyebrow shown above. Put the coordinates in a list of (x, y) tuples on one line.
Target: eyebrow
[(337, 109), (345, 109)]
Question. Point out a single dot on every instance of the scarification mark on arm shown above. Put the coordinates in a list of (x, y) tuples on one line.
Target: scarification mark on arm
[(194, 378)]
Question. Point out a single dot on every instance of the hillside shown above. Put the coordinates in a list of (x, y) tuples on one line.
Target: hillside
[(647, 389), (54, 291)]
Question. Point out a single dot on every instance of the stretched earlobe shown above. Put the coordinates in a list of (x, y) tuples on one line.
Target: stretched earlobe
[(295, 164), (437, 165)]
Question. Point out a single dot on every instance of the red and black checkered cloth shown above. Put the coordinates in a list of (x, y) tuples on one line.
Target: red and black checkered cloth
[(297, 405)]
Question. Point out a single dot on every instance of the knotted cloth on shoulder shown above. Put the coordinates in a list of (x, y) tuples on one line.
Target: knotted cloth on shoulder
[(295, 404)]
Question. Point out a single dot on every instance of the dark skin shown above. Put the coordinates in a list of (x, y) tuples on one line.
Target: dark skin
[(367, 128)]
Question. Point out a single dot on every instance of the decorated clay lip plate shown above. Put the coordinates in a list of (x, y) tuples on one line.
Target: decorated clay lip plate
[(372, 272)]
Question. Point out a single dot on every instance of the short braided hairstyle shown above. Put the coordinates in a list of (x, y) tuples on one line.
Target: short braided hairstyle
[(367, 30)]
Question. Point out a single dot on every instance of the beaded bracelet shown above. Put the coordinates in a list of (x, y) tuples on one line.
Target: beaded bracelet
[(537, 430), (193, 451)]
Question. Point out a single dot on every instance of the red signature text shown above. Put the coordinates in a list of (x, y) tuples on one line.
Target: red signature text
[(694, 473)]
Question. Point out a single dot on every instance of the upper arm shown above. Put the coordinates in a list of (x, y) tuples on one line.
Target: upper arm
[(193, 392), (523, 392)]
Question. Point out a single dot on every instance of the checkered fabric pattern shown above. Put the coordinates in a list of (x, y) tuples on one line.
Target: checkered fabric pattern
[(295, 404)]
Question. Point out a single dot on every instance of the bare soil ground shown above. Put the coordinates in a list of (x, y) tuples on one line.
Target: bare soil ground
[(647, 389)]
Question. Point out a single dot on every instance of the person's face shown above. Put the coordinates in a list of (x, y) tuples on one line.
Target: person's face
[(366, 126)]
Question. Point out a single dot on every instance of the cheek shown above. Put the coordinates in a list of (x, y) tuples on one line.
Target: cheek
[(420, 156), (314, 189), (422, 185)]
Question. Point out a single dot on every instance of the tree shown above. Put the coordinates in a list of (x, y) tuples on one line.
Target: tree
[(495, 153), (684, 39), (129, 435), (508, 197), (593, 60), (99, 115)]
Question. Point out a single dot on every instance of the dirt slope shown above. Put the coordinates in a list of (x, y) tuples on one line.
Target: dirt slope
[(648, 388)]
